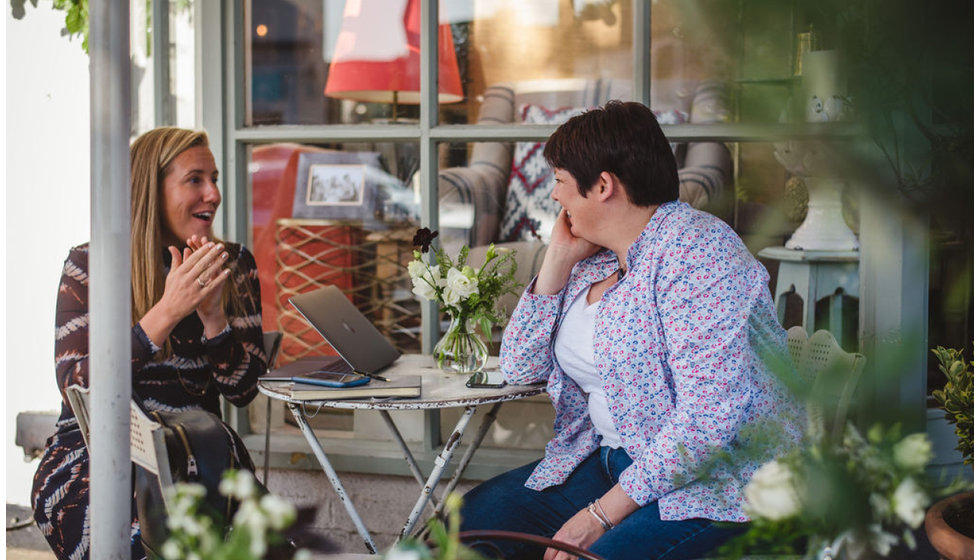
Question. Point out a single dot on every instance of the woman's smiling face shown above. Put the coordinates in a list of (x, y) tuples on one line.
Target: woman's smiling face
[(579, 209), (190, 196)]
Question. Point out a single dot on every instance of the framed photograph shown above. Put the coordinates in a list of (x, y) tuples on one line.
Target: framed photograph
[(337, 186)]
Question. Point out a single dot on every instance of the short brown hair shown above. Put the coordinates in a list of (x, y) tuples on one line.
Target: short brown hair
[(624, 139)]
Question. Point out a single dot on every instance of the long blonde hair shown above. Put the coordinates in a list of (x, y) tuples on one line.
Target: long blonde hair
[(150, 159)]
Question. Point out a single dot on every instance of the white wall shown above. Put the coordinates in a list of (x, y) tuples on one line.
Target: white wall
[(47, 209)]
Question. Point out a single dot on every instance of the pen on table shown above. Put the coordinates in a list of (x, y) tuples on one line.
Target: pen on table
[(373, 376)]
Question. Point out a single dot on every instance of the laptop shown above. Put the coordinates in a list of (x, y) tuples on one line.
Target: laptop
[(361, 346)]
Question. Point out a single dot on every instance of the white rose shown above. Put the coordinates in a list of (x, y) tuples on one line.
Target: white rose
[(436, 276), (423, 289), (910, 502), (416, 269), (771, 493), (460, 286), (913, 452)]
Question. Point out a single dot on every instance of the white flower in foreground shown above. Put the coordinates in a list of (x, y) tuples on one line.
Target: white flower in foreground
[(240, 484), (170, 550), (460, 284), (910, 502), (880, 541), (880, 505), (281, 513), (913, 452), (771, 493)]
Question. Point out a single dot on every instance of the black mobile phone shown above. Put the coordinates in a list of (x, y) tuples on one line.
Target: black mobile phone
[(486, 380)]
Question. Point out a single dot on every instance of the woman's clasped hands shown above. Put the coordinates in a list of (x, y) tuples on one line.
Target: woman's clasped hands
[(195, 282)]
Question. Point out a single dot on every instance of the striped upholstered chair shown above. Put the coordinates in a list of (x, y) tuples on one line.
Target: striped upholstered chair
[(501, 196)]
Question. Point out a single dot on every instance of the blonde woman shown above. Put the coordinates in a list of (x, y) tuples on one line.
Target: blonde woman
[(197, 323)]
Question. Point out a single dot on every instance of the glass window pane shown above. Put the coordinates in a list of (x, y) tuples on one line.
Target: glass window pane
[(340, 62), (549, 53), (342, 215)]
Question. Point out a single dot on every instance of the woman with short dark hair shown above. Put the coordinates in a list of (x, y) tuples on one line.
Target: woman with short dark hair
[(652, 325)]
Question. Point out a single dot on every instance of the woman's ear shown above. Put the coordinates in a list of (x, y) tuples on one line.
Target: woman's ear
[(607, 185)]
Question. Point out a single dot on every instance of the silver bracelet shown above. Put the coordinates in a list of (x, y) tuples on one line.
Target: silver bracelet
[(609, 522), (592, 509)]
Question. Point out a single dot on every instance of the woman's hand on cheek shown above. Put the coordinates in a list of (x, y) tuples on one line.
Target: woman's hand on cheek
[(564, 250), (562, 238), (581, 530)]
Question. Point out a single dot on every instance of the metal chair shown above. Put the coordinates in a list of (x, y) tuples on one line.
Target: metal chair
[(146, 440), (831, 372)]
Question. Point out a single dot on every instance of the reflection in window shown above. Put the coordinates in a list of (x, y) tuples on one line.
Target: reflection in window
[(340, 215), (371, 45)]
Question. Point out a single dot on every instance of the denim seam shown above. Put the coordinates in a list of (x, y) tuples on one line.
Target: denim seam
[(607, 467)]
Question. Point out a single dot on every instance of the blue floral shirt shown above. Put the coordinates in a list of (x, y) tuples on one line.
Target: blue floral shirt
[(685, 346)]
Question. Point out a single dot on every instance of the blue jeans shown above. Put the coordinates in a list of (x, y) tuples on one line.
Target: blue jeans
[(503, 503)]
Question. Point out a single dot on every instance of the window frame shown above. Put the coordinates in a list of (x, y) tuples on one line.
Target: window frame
[(221, 102)]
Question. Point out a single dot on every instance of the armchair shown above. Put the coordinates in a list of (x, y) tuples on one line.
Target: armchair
[(507, 188)]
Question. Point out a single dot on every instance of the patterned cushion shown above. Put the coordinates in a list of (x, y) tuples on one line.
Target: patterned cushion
[(530, 212)]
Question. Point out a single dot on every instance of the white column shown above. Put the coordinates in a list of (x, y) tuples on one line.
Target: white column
[(109, 280)]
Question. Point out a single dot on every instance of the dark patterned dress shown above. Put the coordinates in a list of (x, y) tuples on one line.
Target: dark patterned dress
[(198, 372)]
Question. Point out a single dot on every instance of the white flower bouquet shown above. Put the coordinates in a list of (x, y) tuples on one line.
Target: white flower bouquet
[(859, 494), (469, 295)]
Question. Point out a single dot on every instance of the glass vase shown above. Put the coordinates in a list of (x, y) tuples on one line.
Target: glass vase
[(461, 349)]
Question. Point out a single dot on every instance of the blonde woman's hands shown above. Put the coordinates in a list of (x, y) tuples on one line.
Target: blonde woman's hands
[(213, 276), (186, 288)]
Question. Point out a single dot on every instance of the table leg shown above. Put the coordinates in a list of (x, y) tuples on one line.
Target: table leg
[(488, 420), (265, 457), (440, 463), (321, 457), (409, 458)]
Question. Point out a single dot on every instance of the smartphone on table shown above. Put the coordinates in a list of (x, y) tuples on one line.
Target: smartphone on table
[(492, 379), (332, 378)]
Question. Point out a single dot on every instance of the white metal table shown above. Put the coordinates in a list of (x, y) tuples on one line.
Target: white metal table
[(439, 390)]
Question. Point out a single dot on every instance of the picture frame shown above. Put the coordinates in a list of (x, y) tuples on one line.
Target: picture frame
[(337, 186), (340, 184)]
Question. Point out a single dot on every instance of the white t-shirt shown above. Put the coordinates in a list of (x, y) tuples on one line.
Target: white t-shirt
[(575, 352)]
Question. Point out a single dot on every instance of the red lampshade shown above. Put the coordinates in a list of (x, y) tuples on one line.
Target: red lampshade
[(376, 58)]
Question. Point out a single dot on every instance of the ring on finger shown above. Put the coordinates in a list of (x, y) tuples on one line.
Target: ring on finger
[(201, 283)]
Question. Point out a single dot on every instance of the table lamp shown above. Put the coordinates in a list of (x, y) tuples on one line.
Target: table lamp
[(376, 58)]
